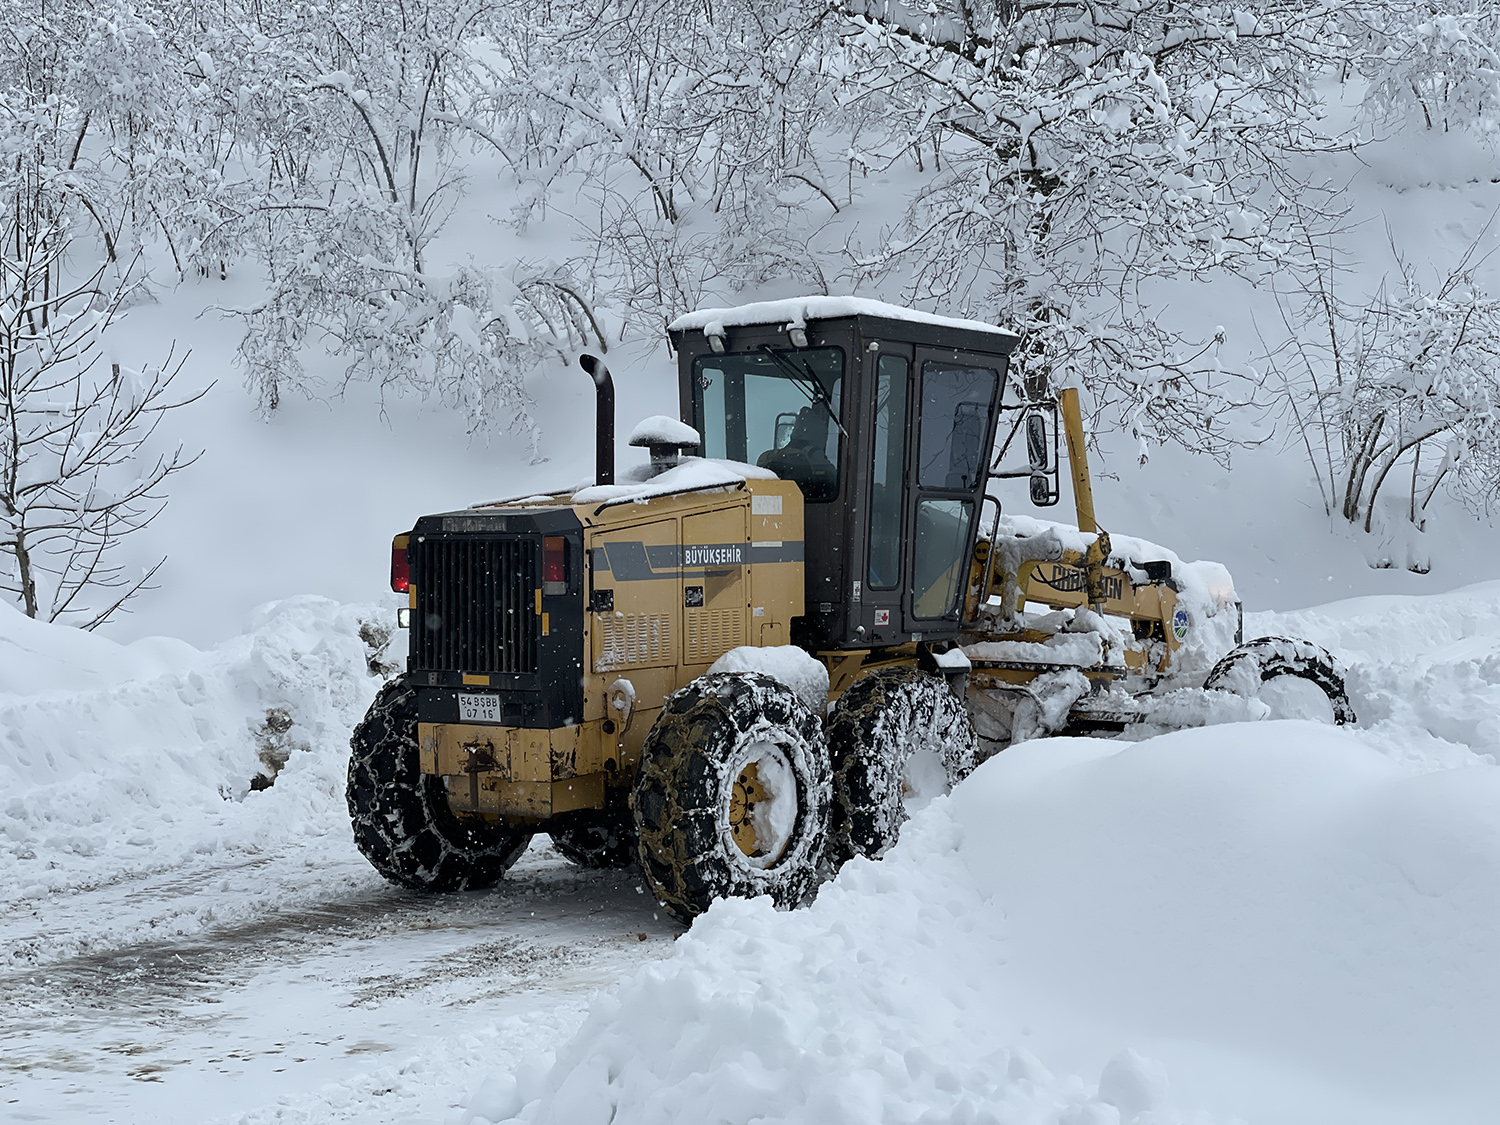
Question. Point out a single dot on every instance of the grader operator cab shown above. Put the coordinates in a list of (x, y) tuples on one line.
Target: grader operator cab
[(741, 668)]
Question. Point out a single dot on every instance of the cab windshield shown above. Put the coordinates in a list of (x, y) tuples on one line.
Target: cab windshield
[(776, 408)]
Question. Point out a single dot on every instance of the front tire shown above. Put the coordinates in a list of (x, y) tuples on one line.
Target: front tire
[(402, 823), (1250, 665), (899, 738), (733, 794)]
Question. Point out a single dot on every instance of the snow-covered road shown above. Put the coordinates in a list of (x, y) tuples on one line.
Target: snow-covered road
[(176, 946), (353, 1000)]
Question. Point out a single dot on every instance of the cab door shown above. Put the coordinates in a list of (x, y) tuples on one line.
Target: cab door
[(884, 579), (953, 404)]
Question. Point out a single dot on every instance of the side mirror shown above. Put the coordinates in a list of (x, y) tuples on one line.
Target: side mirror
[(1041, 455), (1036, 441), (1042, 493)]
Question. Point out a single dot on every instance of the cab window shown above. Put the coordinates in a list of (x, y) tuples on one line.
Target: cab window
[(776, 408), (956, 402), (887, 472)]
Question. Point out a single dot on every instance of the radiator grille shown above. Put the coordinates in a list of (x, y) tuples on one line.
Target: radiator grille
[(476, 605), (633, 638), (713, 632)]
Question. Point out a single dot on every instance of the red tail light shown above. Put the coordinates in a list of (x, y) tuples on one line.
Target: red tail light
[(554, 559), (400, 568)]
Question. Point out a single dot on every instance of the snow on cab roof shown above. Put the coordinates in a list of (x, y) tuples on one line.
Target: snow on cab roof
[(799, 310)]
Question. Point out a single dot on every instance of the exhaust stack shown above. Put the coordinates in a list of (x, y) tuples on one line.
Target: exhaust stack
[(604, 418)]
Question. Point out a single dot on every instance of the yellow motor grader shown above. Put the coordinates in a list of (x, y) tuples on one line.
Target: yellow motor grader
[(807, 613)]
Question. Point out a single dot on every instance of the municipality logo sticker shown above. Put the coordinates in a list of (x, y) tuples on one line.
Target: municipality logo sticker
[(1180, 623)]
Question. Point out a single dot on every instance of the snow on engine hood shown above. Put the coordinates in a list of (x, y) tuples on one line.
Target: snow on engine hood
[(690, 475)]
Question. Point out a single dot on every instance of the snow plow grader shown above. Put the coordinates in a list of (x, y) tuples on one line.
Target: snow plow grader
[(807, 614)]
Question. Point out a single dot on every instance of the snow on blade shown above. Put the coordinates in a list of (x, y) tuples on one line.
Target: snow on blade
[(1083, 650)]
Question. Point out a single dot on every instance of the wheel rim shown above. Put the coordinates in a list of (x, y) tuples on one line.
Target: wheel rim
[(762, 812)]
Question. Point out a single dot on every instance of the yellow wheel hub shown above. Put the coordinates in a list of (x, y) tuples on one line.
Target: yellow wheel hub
[(748, 792)]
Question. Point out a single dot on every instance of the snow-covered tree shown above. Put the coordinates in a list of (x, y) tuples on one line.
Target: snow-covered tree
[(703, 135), (352, 114), (76, 475), (1081, 151), (1397, 397), (1052, 164), (1437, 62)]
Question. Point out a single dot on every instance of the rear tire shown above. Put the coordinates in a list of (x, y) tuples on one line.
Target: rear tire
[(402, 823), (897, 736), (1253, 663), (732, 796), (599, 840)]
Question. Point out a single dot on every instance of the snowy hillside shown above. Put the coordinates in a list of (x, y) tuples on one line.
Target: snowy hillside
[(411, 350)]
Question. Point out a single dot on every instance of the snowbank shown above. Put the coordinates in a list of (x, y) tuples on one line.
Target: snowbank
[(1423, 673), (38, 657), (133, 759), (1298, 928)]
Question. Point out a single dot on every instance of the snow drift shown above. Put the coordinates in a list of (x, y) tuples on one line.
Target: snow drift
[(1279, 922), (1298, 927), (121, 760)]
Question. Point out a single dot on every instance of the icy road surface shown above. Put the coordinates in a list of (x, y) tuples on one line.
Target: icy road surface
[(365, 1003)]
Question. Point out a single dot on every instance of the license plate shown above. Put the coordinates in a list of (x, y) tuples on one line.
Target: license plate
[(478, 708)]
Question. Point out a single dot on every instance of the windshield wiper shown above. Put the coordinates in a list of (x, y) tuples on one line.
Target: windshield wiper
[(803, 379)]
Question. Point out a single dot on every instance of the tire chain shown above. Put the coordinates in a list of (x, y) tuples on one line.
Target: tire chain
[(1265, 658), (598, 841), (877, 724), (679, 793), (400, 816)]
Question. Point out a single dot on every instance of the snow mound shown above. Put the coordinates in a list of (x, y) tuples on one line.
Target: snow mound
[(663, 429), (786, 663), (1423, 673), (38, 657), (143, 756), (1266, 921)]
